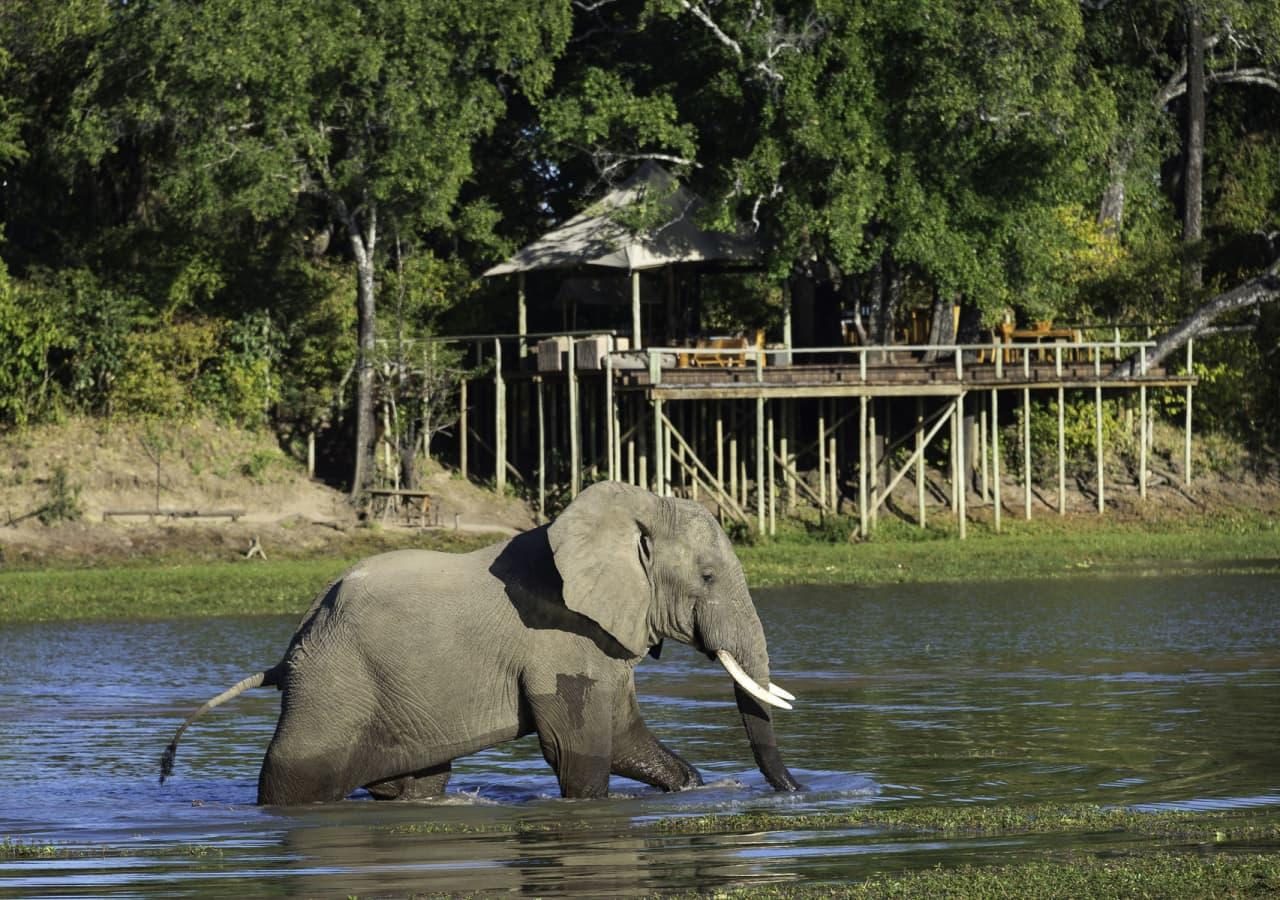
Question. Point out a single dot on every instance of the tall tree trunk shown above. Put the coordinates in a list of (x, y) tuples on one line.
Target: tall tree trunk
[(1193, 152), (363, 244)]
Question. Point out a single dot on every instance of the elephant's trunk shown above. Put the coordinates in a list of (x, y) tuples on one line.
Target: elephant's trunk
[(764, 746), (737, 640)]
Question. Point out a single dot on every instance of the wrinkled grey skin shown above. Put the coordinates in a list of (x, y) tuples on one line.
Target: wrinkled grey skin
[(415, 658)]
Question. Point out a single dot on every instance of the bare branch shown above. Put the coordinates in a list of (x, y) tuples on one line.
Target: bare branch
[(702, 16), (1260, 289)]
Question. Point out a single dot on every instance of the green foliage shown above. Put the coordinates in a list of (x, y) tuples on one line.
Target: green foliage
[(63, 504), (1079, 437)]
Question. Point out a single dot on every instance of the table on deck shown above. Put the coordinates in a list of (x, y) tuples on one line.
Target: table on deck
[(1041, 336)]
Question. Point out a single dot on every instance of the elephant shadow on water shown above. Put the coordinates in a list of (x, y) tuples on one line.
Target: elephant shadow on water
[(414, 658)]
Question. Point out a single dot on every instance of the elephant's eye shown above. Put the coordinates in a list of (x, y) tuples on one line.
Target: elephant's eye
[(708, 578)]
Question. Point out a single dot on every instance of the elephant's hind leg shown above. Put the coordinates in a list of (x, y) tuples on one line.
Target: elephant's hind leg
[(423, 785)]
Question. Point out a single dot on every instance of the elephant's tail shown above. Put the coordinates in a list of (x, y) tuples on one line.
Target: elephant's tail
[(269, 677)]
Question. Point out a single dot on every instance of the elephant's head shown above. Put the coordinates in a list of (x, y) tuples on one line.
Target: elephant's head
[(645, 568)]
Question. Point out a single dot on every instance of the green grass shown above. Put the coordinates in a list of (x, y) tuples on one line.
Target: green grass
[(1181, 874), (1047, 547), (1043, 548)]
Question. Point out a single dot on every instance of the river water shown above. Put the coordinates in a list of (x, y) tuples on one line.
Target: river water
[(1151, 693)]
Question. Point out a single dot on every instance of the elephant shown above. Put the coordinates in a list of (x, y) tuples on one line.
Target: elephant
[(414, 658)]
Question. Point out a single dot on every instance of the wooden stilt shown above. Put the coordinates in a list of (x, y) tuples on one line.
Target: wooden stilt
[(733, 456), (864, 523), (611, 415), (499, 420), (920, 475), (575, 427), (995, 457), (1186, 440), (1026, 452), (542, 452), (873, 463), (822, 456), (1062, 453), (1097, 434), (984, 461), (462, 428), (761, 450), (719, 446), (962, 488), (773, 484)]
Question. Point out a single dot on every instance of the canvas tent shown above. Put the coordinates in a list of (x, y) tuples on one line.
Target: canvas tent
[(598, 237)]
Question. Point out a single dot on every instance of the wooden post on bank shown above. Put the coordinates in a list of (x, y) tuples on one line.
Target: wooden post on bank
[(1026, 436), (1062, 435), (920, 461), (761, 450), (462, 427), (773, 486), (542, 451), (611, 413), (1143, 431), (863, 524), (995, 457), (822, 455), (499, 420), (873, 463), (575, 429), (962, 481), (1097, 429), (1186, 443)]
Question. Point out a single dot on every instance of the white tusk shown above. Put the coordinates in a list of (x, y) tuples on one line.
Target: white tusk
[(747, 683), (779, 692)]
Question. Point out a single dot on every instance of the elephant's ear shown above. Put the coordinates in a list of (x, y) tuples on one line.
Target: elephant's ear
[(604, 552)]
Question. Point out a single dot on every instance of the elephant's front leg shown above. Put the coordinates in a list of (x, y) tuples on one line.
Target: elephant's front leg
[(574, 719), (638, 755)]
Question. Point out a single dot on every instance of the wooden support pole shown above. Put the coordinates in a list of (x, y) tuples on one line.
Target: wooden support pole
[(611, 415), (719, 445), (984, 461), (635, 310), (873, 462), (1062, 453), (832, 469), (1026, 452), (1142, 441), (499, 420), (773, 485), (784, 451), (1186, 440), (962, 488), (542, 452), (822, 455), (760, 452), (1097, 436), (920, 473), (575, 427), (642, 469), (995, 458), (733, 454), (864, 524), (954, 462), (462, 428), (522, 316)]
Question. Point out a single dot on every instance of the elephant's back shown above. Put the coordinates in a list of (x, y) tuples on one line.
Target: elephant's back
[(417, 636)]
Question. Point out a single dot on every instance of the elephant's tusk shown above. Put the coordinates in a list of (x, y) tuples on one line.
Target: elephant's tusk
[(747, 683), (779, 692)]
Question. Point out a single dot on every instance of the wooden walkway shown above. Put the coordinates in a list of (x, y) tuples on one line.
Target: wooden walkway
[(819, 424)]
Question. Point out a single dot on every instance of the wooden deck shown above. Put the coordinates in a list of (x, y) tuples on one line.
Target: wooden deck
[(904, 380)]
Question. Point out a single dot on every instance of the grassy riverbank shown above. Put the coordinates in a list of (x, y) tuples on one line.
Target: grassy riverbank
[(174, 585)]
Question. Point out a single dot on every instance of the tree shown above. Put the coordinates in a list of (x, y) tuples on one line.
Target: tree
[(362, 116)]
